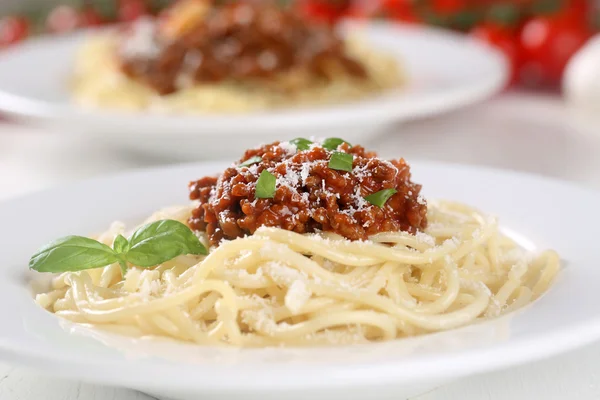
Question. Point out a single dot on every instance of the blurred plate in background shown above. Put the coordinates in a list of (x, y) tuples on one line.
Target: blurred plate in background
[(444, 70)]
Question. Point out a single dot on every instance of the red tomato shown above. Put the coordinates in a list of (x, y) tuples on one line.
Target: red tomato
[(90, 17), (63, 19), (13, 29), (323, 11), (365, 8), (130, 10), (402, 10), (504, 40), (318, 12), (448, 6), (578, 9), (547, 43)]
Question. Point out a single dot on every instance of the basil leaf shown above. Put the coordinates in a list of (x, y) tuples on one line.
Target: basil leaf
[(341, 161), (161, 241), (250, 161), (333, 143), (265, 185), (380, 198), (301, 143), (121, 245), (72, 253)]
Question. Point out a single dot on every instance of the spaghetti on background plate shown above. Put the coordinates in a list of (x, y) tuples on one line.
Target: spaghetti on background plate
[(239, 57), (307, 242)]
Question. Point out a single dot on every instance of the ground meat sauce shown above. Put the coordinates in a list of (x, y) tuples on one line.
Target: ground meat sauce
[(309, 195), (238, 42)]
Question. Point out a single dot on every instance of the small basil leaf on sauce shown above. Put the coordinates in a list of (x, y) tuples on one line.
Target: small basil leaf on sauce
[(72, 253), (121, 245), (380, 198), (333, 143), (341, 161), (161, 241), (301, 143), (250, 161), (265, 185)]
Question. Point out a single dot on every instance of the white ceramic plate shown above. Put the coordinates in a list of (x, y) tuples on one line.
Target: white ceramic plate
[(539, 213), (445, 71)]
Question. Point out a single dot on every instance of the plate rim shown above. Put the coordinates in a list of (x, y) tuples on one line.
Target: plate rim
[(32, 109)]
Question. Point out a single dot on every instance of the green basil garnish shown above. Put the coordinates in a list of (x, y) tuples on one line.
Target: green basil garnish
[(121, 245), (72, 253), (380, 198), (150, 245), (162, 241), (250, 161), (341, 161), (333, 143), (301, 143), (265, 185)]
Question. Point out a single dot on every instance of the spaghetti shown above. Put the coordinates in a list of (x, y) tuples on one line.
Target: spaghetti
[(278, 287), (208, 57)]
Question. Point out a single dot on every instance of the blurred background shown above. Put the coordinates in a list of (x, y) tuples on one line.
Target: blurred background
[(538, 37), (544, 110), (545, 121)]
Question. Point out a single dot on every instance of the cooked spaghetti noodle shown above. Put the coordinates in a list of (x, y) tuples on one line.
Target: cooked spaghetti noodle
[(277, 287)]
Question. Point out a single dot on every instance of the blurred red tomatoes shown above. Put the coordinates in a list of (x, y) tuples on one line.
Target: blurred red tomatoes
[(547, 44), (327, 12), (580, 9), (402, 10), (538, 37), (448, 6), (365, 9), (13, 29), (89, 16), (63, 19), (505, 40)]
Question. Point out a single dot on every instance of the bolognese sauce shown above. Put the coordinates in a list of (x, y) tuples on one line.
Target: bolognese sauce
[(305, 187), (239, 42)]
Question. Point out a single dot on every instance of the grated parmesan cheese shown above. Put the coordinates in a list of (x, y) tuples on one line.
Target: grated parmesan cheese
[(288, 147), (142, 42), (305, 172), (290, 179), (297, 296), (423, 237), (283, 274)]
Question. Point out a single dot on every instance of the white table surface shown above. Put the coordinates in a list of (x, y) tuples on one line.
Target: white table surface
[(517, 131)]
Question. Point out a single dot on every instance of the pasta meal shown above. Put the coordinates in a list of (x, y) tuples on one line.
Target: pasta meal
[(206, 56), (306, 242)]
